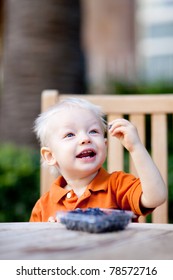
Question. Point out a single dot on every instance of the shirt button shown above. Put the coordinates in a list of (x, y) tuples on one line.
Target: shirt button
[(68, 194)]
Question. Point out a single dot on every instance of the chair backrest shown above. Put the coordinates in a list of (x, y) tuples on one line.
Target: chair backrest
[(144, 111)]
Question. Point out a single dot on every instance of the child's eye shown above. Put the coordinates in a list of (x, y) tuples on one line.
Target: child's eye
[(68, 135), (93, 131)]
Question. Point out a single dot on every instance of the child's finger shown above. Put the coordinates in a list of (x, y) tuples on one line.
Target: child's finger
[(51, 219)]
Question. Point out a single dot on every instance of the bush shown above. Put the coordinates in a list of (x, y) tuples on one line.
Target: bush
[(122, 87), (170, 187), (19, 182)]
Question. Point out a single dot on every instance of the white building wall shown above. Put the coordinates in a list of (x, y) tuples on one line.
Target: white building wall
[(154, 20)]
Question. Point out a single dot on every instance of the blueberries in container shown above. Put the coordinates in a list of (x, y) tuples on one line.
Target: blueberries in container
[(96, 220)]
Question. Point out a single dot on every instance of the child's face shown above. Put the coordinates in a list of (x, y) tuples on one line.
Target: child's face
[(77, 143)]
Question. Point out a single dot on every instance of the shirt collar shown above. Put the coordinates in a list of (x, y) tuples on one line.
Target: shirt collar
[(57, 190), (99, 183)]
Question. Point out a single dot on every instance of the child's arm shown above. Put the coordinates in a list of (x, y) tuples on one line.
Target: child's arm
[(153, 186)]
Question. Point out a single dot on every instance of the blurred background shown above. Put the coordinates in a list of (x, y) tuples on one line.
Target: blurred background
[(77, 46)]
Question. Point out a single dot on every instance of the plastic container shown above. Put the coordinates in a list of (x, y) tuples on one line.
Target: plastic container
[(95, 220)]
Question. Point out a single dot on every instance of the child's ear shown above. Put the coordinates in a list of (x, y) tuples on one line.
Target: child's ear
[(48, 156)]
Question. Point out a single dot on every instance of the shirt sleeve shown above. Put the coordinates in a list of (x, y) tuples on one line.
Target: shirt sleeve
[(128, 193), (36, 213)]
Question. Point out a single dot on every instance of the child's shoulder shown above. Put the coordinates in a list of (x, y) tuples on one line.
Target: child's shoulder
[(44, 197), (122, 176)]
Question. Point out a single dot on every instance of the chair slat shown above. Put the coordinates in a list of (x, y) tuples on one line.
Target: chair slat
[(130, 104), (48, 98), (160, 157)]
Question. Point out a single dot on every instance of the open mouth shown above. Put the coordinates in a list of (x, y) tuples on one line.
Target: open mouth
[(86, 154)]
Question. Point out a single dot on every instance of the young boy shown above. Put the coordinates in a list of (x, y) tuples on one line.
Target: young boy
[(72, 138)]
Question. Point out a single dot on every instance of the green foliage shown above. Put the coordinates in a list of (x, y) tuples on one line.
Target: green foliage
[(170, 187), (19, 182), (122, 87)]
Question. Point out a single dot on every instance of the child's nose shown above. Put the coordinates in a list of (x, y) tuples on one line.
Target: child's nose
[(85, 139)]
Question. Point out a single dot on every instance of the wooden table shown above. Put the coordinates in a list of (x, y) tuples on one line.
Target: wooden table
[(50, 241)]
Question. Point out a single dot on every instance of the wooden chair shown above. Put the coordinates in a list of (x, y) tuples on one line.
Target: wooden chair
[(136, 108)]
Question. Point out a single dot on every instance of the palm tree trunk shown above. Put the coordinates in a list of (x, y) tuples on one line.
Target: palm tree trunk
[(41, 51)]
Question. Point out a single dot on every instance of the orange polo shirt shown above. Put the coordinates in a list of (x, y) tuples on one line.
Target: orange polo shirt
[(117, 190)]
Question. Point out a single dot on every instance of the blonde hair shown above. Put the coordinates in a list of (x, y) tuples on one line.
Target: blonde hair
[(41, 124)]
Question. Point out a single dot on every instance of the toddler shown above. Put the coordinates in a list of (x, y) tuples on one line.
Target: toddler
[(73, 144)]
